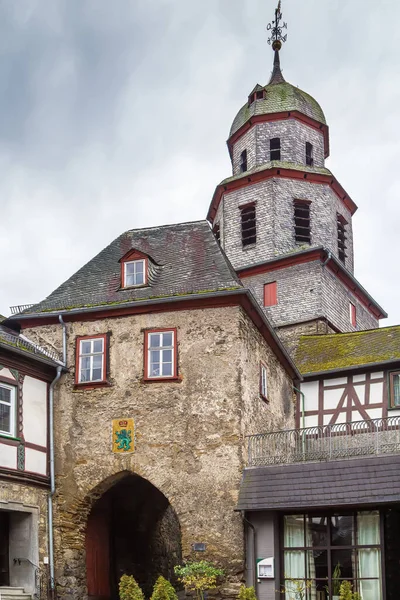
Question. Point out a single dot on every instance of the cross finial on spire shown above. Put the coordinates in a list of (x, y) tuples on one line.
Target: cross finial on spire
[(277, 38)]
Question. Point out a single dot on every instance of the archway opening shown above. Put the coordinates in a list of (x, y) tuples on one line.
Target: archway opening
[(132, 529)]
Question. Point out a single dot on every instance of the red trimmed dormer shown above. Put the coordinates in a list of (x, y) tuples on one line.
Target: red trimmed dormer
[(134, 269)]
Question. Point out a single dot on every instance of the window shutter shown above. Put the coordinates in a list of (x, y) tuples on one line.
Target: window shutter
[(270, 294)]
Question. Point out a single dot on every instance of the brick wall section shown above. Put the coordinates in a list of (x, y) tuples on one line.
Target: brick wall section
[(293, 136), (275, 220), (309, 291), (190, 435)]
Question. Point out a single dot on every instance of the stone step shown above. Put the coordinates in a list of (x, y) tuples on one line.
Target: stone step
[(13, 593)]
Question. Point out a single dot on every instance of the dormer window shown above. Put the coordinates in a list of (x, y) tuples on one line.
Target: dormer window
[(134, 273), (260, 95), (243, 161), (134, 269), (275, 149)]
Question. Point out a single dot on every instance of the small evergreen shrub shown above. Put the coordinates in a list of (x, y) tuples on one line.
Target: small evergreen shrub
[(129, 589), (198, 576), (163, 590), (247, 593)]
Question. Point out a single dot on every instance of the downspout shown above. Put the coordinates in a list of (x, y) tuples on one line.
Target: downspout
[(327, 259), (52, 474), (303, 406), (254, 570)]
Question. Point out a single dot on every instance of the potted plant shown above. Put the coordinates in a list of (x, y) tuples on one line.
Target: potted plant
[(346, 592), (336, 582)]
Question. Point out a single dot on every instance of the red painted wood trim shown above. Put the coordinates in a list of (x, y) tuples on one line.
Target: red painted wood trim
[(35, 447), (174, 376), (9, 442), (281, 116), (131, 256), (266, 174), (77, 357), (195, 303), (281, 263), (271, 294), (27, 367)]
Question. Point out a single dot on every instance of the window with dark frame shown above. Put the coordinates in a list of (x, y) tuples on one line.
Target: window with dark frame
[(342, 238), (263, 382), (91, 359), (260, 95), (275, 148), (160, 354), (328, 548), (302, 222), (249, 227), (217, 232), (394, 389), (243, 161), (7, 410)]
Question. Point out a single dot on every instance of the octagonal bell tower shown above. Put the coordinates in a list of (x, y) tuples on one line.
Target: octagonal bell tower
[(283, 219)]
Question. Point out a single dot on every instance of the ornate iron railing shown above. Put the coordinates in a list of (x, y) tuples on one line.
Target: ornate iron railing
[(24, 344), (331, 442)]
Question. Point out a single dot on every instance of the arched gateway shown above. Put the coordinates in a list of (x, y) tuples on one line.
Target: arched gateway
[(131, 529)]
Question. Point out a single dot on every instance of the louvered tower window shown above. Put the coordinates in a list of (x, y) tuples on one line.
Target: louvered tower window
[(275, 148), (249, 230), (302, 223), (342, 238), (243, 161), (217, 232)]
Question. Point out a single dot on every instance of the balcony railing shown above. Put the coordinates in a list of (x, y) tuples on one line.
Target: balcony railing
[(331, 442)]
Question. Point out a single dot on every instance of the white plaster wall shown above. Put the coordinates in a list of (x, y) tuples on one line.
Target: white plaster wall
[(35, 461), (8, 456), (310, 391), (35, 411), (6, 373)]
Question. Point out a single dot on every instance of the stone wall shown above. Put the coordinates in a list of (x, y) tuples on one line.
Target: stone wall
[(290, 334), (275, 220), (189, 434)]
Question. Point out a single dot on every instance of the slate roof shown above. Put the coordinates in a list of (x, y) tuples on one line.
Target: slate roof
[(186, 259), (318, 353), (279, 164), (10, 340), (360, 481), (280, 97)]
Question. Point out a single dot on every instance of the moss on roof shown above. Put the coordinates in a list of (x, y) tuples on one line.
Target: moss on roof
[(280, 97), (318, 353), (279, 164)]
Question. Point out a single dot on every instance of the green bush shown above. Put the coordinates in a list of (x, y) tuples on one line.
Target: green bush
[(129, 589), (163, 590), (346, 592), (247, 593), (198, 576)]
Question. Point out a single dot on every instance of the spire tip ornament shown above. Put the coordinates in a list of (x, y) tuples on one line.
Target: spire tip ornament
[(276, 28)]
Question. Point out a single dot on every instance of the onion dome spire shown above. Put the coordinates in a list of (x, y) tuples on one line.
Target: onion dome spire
[(277, 38)]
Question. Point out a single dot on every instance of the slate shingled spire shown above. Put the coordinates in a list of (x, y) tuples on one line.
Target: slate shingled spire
[(276, 39)]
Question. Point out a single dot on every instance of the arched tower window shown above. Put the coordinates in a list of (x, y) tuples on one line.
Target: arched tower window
[(243, 161), (275, 149)]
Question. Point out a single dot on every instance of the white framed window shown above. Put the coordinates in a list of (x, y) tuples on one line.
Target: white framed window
[(7, 410), (134, 272), (161, 354), (91, 359), (263, 382)]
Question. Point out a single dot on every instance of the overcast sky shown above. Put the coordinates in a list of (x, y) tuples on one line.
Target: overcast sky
[(114, 115)]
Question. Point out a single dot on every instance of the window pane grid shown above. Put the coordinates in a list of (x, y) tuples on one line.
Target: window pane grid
[(134, 272), (7, 410), (161, 359), (91, 360)]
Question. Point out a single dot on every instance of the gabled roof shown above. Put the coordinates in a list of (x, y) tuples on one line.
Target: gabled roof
[(340, 351), (188, 259), (14, 342)]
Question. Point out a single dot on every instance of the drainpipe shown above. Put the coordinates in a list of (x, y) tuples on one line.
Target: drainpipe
[(254, 570), (303, 406), (51, 443), (328, 258)]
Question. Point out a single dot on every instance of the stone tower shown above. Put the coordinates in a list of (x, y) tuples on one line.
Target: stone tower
[(283, 219)]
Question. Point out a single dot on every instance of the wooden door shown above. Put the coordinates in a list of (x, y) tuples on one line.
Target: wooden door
[(98, 555), (4, 544)]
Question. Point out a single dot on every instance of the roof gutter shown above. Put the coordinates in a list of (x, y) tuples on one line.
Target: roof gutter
[(362, 367)]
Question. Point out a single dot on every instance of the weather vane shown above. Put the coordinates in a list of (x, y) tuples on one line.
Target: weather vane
[(276, 28)]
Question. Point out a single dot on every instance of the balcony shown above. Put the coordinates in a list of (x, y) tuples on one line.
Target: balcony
[(331, 442)]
